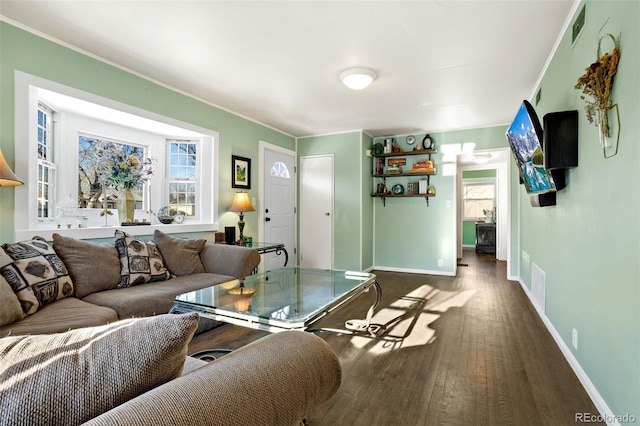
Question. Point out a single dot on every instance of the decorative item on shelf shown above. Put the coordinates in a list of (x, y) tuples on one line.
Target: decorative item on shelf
[(166, 215), (378, 148), (411, 140), (427, 142), (387, 144), (596, 85), (395, 147), (126, 205), (125, 171), (424, 166), (242, 297), (380, 188), (241, 204), (397, 189), (422, 186), (393, 170), (431, 190), (7, 178), (397, 161)]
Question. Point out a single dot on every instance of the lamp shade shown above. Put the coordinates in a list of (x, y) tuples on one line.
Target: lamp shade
[(241, 203), (7, 178)]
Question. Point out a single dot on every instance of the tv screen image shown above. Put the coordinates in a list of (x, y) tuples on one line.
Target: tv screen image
[(525, 137)]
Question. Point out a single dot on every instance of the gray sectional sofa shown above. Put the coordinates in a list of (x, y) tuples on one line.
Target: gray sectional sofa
[(95, 271), (89, 342)]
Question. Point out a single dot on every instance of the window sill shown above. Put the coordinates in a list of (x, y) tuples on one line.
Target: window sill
[(108, 231)]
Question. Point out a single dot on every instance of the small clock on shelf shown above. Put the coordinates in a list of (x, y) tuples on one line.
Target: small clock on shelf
[(179, 217), (427, 142)]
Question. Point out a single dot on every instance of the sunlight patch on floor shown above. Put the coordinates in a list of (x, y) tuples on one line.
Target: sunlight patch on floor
[(408, 319)]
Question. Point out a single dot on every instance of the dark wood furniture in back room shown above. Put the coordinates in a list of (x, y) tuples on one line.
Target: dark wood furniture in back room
[(485, 238)]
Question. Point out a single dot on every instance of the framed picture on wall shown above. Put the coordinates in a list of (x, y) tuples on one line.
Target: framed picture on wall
[(240, 172)]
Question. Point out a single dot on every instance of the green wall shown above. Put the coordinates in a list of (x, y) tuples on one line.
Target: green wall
[(23, 51), (411, 236), (588, 244), (348, 197)]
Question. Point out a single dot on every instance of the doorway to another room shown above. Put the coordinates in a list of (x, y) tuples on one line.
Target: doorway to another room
[(483, 203)]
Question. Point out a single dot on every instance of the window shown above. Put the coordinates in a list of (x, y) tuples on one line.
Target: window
[(63, 182), (279, 169), (478, 195), (46, 166), (183, 176)]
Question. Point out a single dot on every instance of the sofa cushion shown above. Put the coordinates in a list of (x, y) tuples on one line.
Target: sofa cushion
[(153, 298), (70, 378), (92, 266), (10, 309), (61, 316), (182, 256), (35, 273), (140, 261)]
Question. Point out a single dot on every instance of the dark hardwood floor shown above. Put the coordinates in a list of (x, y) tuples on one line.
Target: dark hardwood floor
[(465, 350)]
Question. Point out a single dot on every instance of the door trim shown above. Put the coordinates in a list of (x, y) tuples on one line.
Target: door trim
[(262, 146)]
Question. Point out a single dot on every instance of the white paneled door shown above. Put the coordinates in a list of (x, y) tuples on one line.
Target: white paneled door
[(316, 211), (279, 205)]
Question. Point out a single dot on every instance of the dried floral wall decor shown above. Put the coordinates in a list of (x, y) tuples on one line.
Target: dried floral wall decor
[(596, 85)]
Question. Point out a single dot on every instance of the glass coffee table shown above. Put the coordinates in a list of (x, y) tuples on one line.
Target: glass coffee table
[(290, 298)]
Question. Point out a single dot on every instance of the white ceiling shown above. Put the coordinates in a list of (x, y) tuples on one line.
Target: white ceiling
[(441, 65)]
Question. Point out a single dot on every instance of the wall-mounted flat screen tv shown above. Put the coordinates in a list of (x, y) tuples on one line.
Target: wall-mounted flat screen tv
[(525, 138)]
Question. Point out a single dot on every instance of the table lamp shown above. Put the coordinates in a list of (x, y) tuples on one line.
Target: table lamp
[(7, 178), (241, 203)]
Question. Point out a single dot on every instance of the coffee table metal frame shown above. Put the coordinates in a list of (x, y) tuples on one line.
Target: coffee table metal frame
[(247, 319)]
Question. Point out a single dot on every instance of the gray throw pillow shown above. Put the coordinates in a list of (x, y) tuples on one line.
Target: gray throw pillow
[(10, 309), (70, 378), (140, 261), (182, 256), (35, 273), (93, 267)]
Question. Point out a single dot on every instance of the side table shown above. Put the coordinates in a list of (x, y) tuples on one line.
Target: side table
[(263, 248)]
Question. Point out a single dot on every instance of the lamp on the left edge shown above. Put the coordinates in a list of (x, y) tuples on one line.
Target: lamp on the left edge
[(7, 177), (241, 203)]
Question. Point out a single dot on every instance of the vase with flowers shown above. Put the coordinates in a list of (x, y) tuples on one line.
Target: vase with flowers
[(596, 85), (126, 171)]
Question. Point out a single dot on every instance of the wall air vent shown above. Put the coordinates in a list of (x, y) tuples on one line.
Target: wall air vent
[(578, 24)]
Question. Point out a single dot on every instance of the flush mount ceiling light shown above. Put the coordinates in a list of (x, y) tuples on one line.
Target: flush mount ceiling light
[(481, 158), (357, 78)]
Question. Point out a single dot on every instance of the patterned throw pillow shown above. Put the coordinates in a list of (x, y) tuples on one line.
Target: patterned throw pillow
[(35, 273), (140, 261)]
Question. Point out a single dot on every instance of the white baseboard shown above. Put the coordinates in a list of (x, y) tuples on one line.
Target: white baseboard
[(414, 271), (593, 393)]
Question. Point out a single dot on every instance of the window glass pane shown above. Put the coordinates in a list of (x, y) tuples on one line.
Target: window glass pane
[(279, 169), (477, 198), (105, 167)]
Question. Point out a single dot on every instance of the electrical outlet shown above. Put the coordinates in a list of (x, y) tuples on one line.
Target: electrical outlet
[(440, 263), (574, 338)]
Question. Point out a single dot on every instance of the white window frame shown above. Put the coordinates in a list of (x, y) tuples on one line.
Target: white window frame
[(477, 181), (168, 179), (46, 163), (27, 225)]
